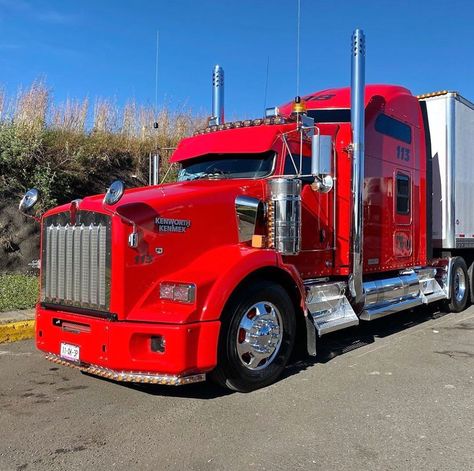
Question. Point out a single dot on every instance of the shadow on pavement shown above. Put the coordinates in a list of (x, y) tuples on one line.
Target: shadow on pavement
[(207, 390), (330, 346)]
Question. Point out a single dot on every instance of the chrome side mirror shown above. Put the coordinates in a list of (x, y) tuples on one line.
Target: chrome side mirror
[(114, 193), (321, 150), (324, 184), (28, 201), (321, 162)]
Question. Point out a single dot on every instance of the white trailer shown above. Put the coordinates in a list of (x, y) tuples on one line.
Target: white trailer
[(451, 134)]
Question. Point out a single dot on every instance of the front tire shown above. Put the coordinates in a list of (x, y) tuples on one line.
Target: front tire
[(257, 337), (459, 286)]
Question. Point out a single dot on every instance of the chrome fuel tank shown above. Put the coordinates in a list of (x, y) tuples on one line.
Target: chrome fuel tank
[(391, 290)]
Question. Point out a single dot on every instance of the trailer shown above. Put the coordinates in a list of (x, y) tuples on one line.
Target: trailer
[(337, 208), (450, 122)]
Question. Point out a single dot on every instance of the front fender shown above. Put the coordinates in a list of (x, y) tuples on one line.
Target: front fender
[(233, 264), (216, 274)]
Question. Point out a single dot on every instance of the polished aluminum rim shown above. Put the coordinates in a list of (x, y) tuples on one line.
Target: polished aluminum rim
[(459, 284), (259, 336)]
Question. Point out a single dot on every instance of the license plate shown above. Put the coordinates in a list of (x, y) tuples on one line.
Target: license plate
[(70, 352)]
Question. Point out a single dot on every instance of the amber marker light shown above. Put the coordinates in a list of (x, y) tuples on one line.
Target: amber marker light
[(258, 241), (299, 106)]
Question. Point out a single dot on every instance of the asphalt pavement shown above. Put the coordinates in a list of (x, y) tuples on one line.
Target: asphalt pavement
[(396, 394)]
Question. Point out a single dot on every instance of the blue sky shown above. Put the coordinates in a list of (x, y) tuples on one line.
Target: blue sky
[(107, 48)]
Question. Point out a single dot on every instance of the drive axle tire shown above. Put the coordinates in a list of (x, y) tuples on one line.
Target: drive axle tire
[(257, 336), (459, 286)]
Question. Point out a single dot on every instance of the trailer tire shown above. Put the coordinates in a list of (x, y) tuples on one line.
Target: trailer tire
[(257, 337), (459, 286)]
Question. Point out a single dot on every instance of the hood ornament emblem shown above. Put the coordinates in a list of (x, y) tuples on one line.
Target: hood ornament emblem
[(73, 208)]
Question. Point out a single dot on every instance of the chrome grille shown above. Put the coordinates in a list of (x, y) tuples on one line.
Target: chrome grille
[(76, 260)]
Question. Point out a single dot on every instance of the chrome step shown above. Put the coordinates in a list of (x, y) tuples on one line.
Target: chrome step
[(431, 285), (329, 308)]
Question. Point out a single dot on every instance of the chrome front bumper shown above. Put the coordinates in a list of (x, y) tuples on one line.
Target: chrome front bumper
[(129, 376)]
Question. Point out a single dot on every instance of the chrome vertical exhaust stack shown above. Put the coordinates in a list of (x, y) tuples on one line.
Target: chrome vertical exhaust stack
[(217, 96), (358, 127)]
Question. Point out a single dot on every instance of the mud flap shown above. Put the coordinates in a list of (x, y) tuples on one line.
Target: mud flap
[(310, 335)]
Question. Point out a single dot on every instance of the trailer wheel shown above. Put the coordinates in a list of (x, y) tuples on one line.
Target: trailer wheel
[(459, 284), (257, 336)]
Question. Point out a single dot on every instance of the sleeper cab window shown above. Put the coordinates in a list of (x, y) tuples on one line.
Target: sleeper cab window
[(393, 128), (403, 194)]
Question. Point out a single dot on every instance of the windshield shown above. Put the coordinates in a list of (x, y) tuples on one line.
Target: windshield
[(228, 166)]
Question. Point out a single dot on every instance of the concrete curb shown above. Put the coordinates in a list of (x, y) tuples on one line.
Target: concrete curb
[(17, 325)]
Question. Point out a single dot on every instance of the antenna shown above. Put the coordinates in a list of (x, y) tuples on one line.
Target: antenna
[(156, 68), (298, 49), (154, 159), (266, 87)]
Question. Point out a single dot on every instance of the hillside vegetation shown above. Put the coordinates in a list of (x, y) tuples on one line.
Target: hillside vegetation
[(70, 150)]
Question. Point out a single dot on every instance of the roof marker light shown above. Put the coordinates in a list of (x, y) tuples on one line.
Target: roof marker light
[(299, 106), (272, 112), (433, 94)]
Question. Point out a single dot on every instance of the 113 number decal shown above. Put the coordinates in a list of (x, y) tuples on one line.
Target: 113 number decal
[(403, 153)]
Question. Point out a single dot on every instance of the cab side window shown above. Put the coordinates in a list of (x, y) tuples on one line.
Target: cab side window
[(290, 168), (403, 193)]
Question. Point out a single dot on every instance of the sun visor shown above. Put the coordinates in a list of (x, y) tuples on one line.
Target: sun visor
[(246, 140)]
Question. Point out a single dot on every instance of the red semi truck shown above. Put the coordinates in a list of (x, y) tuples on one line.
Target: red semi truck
[(341, 207)]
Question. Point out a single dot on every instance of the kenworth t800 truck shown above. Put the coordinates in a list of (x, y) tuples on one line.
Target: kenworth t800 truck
[(340, 207)]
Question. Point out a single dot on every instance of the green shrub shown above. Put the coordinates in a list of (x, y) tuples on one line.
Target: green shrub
[(18, 292)]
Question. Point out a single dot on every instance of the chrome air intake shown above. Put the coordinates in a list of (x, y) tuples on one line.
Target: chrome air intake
[(284, 215), (76, 260), (247, 210), (358, 127)]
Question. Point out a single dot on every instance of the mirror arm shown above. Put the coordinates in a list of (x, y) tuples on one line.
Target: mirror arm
[(31, 216)]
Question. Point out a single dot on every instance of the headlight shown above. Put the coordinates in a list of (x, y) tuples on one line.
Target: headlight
[(180, 292)]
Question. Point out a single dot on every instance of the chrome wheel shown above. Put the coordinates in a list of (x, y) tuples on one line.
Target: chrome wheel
[(459, 284), (259, 336)]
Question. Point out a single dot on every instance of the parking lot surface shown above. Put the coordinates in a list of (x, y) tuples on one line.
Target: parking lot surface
[(396, 394)]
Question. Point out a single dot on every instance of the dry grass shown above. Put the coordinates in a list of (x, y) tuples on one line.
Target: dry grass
[(71, 149), (33, 107)]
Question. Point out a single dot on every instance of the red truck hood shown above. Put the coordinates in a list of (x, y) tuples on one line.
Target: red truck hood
[(177, 224), (164, 195)]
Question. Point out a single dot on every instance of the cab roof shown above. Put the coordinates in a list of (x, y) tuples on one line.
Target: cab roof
[(260, 138), (341, 97)]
